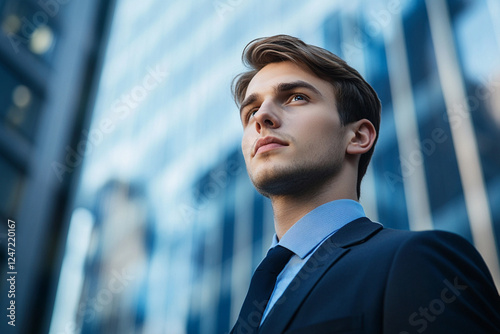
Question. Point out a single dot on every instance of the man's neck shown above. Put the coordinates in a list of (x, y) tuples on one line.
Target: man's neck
[(288, 209)]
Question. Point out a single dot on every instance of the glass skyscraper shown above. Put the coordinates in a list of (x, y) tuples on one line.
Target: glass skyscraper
[(166, 228), (49, 60)]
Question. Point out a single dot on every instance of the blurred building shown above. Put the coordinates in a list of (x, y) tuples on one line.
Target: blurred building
[(166, 228), (49, 53)]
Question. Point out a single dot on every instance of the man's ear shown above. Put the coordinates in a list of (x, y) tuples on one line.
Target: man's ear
[(362, 136)]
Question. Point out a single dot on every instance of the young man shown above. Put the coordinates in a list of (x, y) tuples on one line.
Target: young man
[(310, 125)]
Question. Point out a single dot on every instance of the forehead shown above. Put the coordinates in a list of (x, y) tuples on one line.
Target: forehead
[(271, 75)]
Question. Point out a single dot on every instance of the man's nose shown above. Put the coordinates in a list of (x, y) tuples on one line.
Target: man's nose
[(267, 116)]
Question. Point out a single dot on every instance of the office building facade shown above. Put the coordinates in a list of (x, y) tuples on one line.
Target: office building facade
[(167, 228)]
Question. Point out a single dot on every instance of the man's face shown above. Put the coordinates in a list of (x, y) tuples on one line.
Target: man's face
[(293, 141)]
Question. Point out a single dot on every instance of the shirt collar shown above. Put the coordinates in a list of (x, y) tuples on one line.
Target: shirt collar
[(309, 231)]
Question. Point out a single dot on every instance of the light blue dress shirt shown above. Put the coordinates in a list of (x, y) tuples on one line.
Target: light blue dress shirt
[(306, 235)]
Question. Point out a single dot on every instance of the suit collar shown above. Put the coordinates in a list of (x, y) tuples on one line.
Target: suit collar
[(330, 251), (355, 232)]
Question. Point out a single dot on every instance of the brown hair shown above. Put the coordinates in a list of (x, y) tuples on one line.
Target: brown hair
[(355, 98)]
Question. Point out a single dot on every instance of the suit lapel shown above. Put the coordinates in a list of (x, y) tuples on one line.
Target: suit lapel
[(331, 251)]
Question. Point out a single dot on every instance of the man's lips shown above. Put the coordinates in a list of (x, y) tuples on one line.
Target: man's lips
[(268, 143)]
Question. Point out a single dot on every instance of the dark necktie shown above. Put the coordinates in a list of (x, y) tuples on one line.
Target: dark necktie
[(261, 287)]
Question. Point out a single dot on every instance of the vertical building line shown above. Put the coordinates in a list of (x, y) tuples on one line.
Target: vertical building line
[(494, 10), (369, 195), (211, 275), (268, 226), (242, 253), (463, 135), (413, 173)]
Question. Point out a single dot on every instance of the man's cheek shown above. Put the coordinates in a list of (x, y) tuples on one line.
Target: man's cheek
[(246, 147)]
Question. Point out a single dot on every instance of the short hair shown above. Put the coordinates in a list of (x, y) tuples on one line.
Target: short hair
[(355, 98)]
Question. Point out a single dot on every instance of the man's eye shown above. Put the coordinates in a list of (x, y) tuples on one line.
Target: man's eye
[(298, 97), (252, 113)]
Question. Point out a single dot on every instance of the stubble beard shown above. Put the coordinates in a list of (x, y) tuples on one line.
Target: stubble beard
[(301, 179)]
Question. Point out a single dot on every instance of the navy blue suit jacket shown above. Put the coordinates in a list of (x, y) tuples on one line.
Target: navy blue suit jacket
[(370, 279)]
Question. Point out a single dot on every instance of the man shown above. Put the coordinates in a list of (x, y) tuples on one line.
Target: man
[(310, 126)]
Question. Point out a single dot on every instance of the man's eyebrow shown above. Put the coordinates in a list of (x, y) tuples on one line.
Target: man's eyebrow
[(249, 100), (281, 88), (288, 86)]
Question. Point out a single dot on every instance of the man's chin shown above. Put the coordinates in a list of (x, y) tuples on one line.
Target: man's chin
[(293, 180), (284, 184)]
